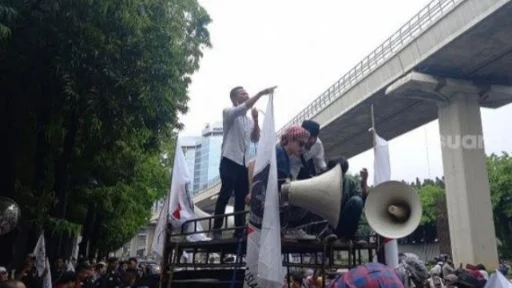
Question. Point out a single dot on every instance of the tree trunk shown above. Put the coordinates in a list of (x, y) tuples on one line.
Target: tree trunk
[(95, 233), (86, 231), (443, 228), (61, 185)]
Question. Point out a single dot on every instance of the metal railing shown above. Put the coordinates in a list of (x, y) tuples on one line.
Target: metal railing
[(407, 33)]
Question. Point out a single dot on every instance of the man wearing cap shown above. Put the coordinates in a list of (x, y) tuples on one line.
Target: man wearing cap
[(304, 166), (239, 130), (312, 161)]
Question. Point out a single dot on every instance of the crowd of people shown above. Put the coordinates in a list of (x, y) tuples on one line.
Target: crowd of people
[(411, 272), (111, 273)]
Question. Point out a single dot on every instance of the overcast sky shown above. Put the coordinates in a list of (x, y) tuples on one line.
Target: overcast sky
[(304, 47)]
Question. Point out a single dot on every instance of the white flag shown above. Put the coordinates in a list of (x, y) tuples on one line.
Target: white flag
[(157, 245), (181, 205), (382, 170), (497, 280), (381, 166), (47, 280), (264, 260), (40, 254)]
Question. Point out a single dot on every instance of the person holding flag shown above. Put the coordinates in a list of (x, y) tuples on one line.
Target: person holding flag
[(239, 130)]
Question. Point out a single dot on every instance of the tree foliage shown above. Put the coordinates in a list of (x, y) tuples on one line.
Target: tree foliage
[(499, 169), (92, 91)]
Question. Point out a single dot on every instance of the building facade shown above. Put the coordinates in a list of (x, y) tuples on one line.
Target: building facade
[(208, 156)]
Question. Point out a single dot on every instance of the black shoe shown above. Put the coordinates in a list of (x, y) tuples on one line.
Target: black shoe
[(327, 234)]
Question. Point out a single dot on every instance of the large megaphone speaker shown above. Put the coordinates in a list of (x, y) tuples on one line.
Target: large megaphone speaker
[(322, 195), (393, 209)]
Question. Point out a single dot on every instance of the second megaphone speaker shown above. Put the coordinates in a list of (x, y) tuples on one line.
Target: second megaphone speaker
[(322, 195), (393, 209)]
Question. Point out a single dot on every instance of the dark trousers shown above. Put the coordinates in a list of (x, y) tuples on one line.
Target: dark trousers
[(234, 179), (349, 217)]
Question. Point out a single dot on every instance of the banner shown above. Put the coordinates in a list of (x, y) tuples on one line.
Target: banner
[(264, 260)]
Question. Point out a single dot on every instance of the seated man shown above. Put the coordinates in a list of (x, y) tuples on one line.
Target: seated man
[(292, 142), (312, 161), (354, 195)]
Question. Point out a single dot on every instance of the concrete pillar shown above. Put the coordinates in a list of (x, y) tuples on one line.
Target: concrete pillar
[(470, 216)]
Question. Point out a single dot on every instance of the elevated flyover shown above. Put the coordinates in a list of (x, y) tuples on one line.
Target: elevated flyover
[(449, 60), (469, 39)]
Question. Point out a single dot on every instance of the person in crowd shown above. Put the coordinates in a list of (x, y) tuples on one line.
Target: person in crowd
[(448, 267), (132, 263), (111, 278), (28, 272), (354, 195), (374, 275), (66, 280), (411, 272), (99, 270), (437, 268), (129, 279), (315, 280), (123, 266), (59, 269), (4, 275), (12, 284), (239, 131), (84, 276), (435, 280), (295, 280), (312, 161), (481, 268)]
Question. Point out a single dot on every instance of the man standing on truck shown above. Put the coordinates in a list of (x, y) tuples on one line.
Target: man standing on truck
[(239, 130)]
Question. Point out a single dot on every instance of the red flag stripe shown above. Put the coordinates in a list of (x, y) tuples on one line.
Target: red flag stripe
[(176, 213)]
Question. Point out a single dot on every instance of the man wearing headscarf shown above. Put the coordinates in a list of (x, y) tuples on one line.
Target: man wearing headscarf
[(292, 143), (312, 161)]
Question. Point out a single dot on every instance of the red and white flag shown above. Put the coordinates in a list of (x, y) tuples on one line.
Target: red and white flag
[(178, 205), (264, 260)]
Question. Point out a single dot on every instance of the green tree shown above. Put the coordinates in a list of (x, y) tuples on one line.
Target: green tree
[(499, 169), (500, 180), (92, 91), (429, 195)]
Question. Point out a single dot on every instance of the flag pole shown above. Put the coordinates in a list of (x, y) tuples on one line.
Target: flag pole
[(390, 245), (373, 128), (165, 251)]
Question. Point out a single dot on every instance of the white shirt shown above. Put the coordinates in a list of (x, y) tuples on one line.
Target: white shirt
[(237, 128), (316, 153)]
